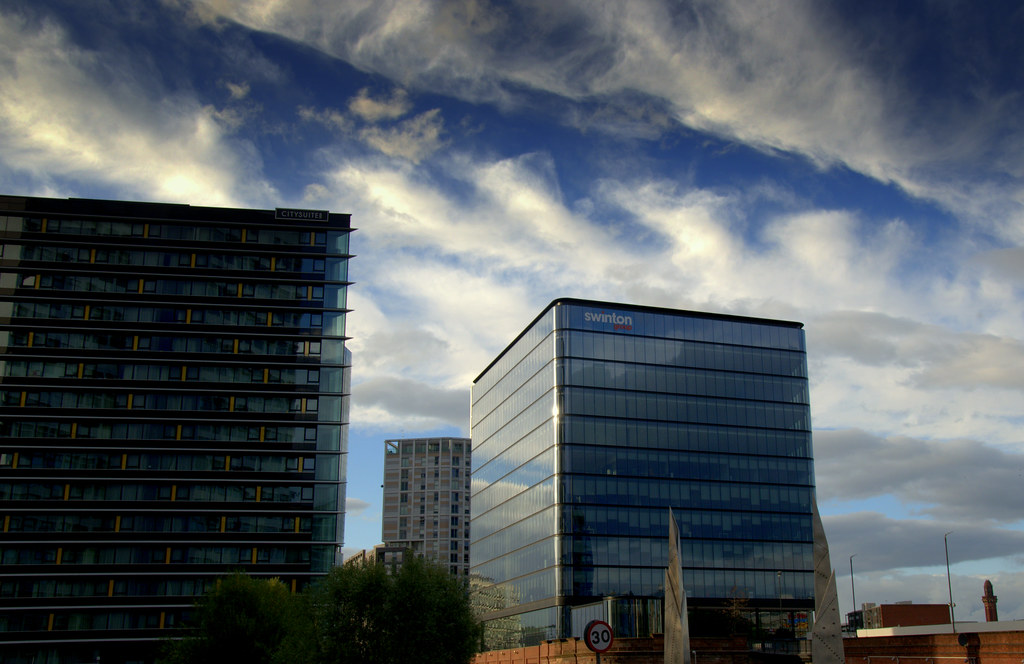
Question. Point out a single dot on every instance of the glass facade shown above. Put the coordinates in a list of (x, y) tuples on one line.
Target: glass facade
[(596, 420), (174, 391)]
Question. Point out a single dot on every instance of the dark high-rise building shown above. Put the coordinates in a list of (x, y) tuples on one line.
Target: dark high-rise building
[(174, 385), (600, 417)]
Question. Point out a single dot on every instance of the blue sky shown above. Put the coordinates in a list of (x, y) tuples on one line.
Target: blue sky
[(852, 165)]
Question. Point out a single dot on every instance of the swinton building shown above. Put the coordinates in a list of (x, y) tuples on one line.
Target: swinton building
[(599, 417), (174, 385)]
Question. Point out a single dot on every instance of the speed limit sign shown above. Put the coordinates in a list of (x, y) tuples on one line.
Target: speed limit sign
[(598, 636)]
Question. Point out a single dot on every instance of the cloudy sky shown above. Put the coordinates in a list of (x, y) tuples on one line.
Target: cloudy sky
[(857, 166)]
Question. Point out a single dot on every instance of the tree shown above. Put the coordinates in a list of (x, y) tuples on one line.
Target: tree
[(418, 613), (357, 614), (241, 620)]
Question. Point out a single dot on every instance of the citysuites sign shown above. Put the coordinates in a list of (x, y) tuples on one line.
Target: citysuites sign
[(300, 215), (617, 321)]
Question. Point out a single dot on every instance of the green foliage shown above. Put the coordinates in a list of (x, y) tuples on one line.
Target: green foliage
[(358, 614), (419, 614), (243, 620)]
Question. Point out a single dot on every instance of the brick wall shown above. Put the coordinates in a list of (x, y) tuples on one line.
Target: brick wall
[(623, 651), (980, 648)]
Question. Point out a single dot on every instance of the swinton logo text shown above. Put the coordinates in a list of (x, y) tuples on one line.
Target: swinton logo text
[(617, 321)]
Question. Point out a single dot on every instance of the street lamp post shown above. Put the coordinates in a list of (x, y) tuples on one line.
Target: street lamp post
[(778, 589), (853, 591), (949, 584)]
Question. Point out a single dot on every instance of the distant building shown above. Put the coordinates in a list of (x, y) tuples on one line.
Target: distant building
[(989, 600), (595, 420), (976, 643), (173, 407), (426, 500), (904, 614), (366, 556)]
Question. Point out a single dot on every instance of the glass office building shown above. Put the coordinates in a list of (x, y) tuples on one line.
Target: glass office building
[(598, 418), (174, 385)]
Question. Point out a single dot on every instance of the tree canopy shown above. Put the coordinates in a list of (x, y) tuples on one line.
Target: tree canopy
[(242, 619), (361, 613)]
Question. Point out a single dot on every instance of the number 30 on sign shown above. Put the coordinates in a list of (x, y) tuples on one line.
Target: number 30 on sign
[(598, 636)]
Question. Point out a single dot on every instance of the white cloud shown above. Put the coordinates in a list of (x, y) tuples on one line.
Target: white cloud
[(70, 113), (355, 507), (237, 90), (413, 139), (778, 77), (407, 403), (963, 480), (941, 357), (508, 244), (328, 117), (374, 110)]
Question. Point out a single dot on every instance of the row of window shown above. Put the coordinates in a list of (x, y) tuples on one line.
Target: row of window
[(703, 583), (519, 562), (424, 497), (449, 464), (90, 620), (489, 494), (78, 523), (515, 536), (264, 463), (404, 510), (158, 257), (648, 521), (522, 629), (420, 447), (537, 341), (322, 526), (435, 536), (672, 408), (144, 555), (632, 491), (682, 380), (525, 503), (730, 439), (159, 343), (150, 431), (627, 581), (330, 323), (206, 493), (692, 465), (89, 587), (332, 296), (487, 468), (159, 372), (532, 364), (530, 393), (493, 435), (537, 586), (617, 459), (682, 353), (718, 554), (640, 522), (198, 233), (169, 401), (454, 521)]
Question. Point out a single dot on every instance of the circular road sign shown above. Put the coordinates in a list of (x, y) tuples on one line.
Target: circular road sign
[(598, 636)]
